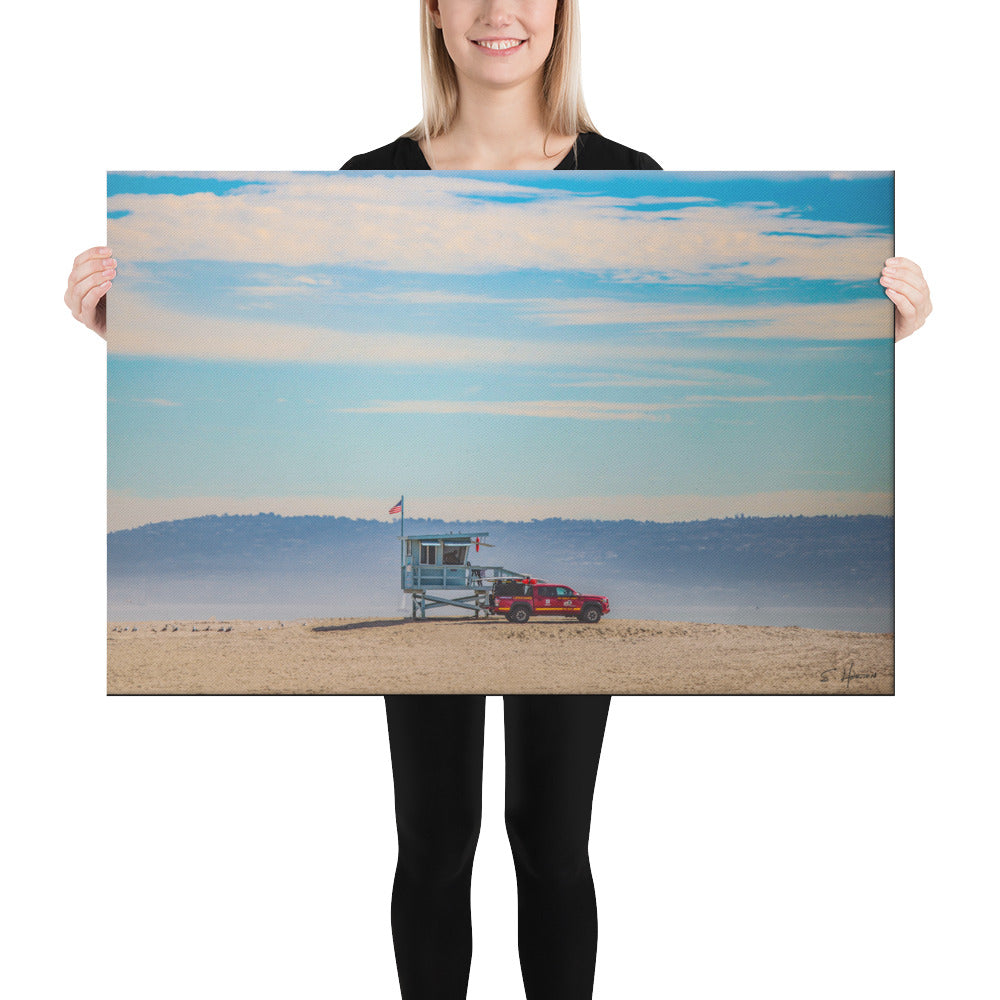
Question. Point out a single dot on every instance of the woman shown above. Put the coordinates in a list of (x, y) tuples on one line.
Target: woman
[(501, 85)]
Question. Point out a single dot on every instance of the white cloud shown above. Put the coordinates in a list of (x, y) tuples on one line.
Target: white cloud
[(430, 224)]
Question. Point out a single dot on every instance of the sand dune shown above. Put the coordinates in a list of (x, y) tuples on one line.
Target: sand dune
[(492, 656)]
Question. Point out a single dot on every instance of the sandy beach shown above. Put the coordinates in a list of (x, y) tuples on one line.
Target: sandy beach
[(492, 656)]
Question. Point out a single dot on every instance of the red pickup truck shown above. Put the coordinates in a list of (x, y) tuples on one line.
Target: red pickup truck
[(518, 600)]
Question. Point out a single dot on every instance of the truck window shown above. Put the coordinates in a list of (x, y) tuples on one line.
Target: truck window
[(547, 591)]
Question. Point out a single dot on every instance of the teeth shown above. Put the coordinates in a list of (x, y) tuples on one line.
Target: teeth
[(508, 43)]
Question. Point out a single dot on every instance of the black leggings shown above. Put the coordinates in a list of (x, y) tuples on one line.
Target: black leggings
[(553, 745)]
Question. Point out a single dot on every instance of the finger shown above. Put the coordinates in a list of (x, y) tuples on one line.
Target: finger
[(80, 284), (88, 304), (906, 321), (901, 267), (95, 265), (90, 254), (910, 302), (915, 294), (903, 304), (903, 262), (84, 290)]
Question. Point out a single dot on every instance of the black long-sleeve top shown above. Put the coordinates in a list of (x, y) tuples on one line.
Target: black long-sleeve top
[(590, 152)]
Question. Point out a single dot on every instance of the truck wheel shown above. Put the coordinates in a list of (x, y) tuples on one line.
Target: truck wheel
[(520, 614), (591, 614)]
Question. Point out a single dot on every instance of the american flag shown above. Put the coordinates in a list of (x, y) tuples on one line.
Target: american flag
[(398, 508)]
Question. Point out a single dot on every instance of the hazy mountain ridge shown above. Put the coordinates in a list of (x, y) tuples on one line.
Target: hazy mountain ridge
[(836, 558)]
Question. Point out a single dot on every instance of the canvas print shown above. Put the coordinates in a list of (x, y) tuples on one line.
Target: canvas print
[(544, 432)]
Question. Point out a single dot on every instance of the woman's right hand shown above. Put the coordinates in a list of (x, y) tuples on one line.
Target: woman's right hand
[(89, 282)]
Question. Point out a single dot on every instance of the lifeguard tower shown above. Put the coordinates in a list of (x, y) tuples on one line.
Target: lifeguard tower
[(440, 564)]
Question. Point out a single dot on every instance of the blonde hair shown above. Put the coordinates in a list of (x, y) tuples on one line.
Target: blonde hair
[(562, 91)]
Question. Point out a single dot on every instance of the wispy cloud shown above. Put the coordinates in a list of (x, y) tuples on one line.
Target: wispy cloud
[(274, 291), (438, 298), (629, 382), (447, 224), (858, 319), (136, 327), (853, 320), (156, 402), (691, 376), (561, 409), (821, 398), (552, 409)]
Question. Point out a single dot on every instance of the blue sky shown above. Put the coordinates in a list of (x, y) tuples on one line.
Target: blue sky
[(504, 345)]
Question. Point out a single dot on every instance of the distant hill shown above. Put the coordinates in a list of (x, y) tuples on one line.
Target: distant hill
[(351, 567)]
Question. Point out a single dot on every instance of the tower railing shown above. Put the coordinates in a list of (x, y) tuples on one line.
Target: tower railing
[(443, 577)]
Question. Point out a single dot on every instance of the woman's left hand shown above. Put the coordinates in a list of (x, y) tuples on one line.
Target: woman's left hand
[(904, 284)]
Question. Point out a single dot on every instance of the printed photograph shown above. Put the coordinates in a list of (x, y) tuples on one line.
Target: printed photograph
[(500, 432)]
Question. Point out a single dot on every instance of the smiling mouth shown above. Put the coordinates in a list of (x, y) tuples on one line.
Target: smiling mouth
[(499, 44)]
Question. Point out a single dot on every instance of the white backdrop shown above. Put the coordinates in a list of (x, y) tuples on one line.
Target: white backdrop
[(244, 847)]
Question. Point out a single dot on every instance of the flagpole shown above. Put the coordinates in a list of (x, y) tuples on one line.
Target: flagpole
[(402, 546), (402, 550)]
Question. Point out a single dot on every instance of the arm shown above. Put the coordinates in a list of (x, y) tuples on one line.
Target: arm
[(87, 286), (905, 285)]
